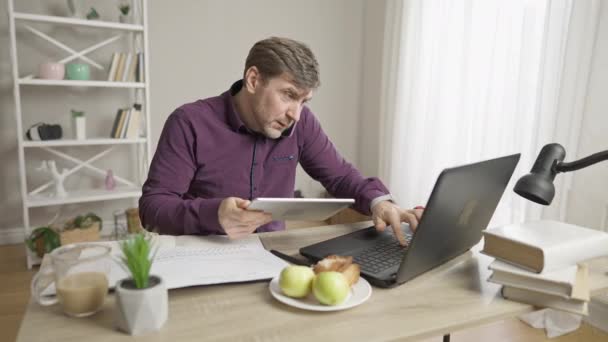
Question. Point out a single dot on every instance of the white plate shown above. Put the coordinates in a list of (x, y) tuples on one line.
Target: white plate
[(359, 293)]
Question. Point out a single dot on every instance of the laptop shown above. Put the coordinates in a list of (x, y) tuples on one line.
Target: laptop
[(461, 205)]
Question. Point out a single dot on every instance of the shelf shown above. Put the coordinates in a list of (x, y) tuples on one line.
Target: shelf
[(71, 83), (85, 142), (78, 22), (81, 196), (86, 152)]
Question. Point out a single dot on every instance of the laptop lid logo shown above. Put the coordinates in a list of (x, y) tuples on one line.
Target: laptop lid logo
[(465, 216)]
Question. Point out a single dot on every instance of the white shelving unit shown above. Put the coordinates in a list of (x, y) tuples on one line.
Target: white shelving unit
[(70, 83), (76, 21), (87, 142), (140, 91), (77, 196)]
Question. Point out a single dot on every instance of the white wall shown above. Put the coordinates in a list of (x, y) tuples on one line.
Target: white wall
[(588, 200), (197, 49), (371, 86)]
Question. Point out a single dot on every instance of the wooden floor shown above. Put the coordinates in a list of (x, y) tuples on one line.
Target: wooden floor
[(14, 296), (14, 289)]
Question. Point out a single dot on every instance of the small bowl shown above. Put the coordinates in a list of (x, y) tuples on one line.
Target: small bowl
[(51, 71), (78, 71)]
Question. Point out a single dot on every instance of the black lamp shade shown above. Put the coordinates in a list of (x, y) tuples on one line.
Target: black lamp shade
[(537, 186)]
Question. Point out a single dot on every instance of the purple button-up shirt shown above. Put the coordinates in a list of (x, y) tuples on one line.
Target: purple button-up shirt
[(205, 154)]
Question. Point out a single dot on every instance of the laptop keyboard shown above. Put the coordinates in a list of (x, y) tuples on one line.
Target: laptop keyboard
[(381, 256)]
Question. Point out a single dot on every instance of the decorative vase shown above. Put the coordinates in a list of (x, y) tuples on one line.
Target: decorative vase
[(51, 71), (133, 221), (139, 311), (80, 127), (110, 182), (78, 71)]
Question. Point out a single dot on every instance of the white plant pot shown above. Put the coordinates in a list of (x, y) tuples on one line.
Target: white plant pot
[(125, 19), (80, 127), (139, 311)]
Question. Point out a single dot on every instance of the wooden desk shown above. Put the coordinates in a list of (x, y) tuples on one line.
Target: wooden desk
[(451, 297)]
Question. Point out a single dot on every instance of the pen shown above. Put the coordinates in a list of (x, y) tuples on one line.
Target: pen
[(290, 259)]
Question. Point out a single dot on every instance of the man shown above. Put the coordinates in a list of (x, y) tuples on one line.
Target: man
[(217, 154)]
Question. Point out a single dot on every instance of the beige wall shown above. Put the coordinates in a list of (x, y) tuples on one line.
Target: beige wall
[(371, 85), (200, 51), (588, 201), (197, 49)]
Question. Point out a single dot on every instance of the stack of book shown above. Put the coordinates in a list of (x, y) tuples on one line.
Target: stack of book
[(127, 122), (598, 312), (127, 67), (539, 263)]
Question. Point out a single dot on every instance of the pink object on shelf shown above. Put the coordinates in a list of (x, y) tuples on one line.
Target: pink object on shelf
[(51, 71), (110, 181)]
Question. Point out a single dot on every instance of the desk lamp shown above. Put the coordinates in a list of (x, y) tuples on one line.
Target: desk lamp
[(537, 186)]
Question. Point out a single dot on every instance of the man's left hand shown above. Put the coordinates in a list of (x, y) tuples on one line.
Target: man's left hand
[(387, 213)]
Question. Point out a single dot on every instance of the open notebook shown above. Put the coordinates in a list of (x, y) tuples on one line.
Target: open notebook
[(202, 260)]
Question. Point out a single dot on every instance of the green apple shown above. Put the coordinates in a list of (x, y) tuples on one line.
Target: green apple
[(330, 288), (296, 281)]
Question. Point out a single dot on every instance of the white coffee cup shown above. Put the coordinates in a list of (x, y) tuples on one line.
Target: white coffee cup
[(78, 276)]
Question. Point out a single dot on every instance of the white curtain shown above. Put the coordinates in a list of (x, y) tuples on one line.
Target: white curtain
[(465, 81)]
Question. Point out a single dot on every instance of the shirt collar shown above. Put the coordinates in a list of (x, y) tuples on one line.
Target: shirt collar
[(234, 118)]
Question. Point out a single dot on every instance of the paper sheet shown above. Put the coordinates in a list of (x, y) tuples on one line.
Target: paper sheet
[(215, 260)]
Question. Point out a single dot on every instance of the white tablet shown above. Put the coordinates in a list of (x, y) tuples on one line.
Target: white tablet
[(301, 209)]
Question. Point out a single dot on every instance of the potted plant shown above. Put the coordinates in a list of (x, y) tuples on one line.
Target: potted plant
[(142, 299), (82, 228), (93, 14), (124, 13), (43, 240)]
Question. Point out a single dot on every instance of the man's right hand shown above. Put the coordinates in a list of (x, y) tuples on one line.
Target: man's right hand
[(237, 221)]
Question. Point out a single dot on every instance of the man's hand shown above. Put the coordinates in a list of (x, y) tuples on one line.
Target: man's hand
[(237, 221), (386, 213)]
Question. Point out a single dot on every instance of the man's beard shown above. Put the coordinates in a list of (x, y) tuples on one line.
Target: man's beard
[(271, 132)]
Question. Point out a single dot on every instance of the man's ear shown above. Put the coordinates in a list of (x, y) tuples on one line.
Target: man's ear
[(252, 80)]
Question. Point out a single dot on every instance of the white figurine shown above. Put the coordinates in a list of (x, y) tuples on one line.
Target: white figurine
[(58, 178)]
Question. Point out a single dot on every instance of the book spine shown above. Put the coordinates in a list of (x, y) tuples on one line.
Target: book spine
[(113, 66), (132, 69), (125, 72), (133, 129), (123, 132), (140, 67), (115, 124), (120, 124), (121, 63)]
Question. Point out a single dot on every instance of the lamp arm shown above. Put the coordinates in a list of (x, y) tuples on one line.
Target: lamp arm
[(582, 163)]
